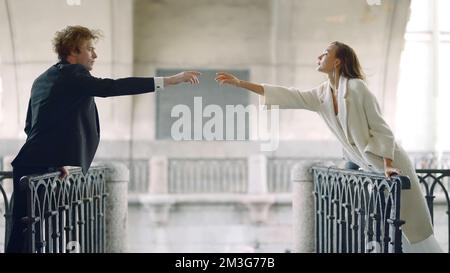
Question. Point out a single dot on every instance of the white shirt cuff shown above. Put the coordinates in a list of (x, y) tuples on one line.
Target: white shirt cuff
[(159, 83)]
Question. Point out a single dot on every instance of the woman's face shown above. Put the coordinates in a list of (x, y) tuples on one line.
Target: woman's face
[(327, 61)]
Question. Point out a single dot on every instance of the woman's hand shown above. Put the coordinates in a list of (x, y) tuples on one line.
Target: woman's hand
[(390, 171), (227, 78)]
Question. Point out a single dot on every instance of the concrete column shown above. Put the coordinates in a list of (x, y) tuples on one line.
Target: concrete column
[(283, 44), (121, 41), (394, 43), (303, 207), (12, 124), (8, 187), (117, 178)]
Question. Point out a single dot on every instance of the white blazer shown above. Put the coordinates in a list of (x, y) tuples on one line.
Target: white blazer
[(365, 136)]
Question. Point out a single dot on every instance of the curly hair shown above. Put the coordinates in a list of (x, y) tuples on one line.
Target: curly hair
[(70, 39)]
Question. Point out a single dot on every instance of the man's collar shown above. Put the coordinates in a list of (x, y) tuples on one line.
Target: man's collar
[(63, 62)]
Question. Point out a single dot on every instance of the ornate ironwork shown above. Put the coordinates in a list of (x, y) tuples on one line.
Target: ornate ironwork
[(66, 215), (433, 184), (357, 212)]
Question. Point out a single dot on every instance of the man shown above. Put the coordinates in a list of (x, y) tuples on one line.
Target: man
[(62, 124)]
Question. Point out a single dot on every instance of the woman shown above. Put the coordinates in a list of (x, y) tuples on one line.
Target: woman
[(352, 113)]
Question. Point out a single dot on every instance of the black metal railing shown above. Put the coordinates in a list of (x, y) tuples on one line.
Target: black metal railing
[(6, 205), (63, 215), (433, 184), (357, 212)]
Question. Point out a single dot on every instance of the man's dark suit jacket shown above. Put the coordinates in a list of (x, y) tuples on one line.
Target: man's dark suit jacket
[(62, 124)]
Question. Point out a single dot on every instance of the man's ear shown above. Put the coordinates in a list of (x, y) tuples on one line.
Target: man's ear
[(71, 58), (73, 53)]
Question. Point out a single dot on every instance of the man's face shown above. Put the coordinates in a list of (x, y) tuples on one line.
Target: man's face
[(86, 56)]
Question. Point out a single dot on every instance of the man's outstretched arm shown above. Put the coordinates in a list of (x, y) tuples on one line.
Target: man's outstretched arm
[(85, 83)]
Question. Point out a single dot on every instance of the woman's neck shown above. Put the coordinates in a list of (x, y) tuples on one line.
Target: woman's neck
[(334, 81)]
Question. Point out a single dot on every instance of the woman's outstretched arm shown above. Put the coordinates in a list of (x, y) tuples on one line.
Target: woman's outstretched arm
[(226, 78), (275, 95)]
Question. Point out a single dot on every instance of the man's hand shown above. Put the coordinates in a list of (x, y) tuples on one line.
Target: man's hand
[(63, 172), (185, 76)]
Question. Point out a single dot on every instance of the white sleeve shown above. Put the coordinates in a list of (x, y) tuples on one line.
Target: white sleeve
[(159, 83), (290, 98)]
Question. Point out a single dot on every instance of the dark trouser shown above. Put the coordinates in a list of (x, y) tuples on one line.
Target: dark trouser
[(17, 239)]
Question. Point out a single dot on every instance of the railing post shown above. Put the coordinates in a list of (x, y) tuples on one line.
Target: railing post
[(159, 178), (257, 174), (258, 203), (117, 178), (303, 207), (159, 188)]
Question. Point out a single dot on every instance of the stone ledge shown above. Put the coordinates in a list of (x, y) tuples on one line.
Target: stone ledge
[(207, 198), (258, 205)]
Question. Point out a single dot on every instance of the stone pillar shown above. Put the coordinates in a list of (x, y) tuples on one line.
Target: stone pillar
[(117, 178), (8, 182), (398, 16), (283, 43), (303, 207)]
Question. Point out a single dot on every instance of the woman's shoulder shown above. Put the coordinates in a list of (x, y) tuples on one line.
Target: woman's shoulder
[(356, 83), (358, 86)]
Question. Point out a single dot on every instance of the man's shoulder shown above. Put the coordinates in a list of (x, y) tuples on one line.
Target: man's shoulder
[(60, 69), (70, 68), (64, 67)]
